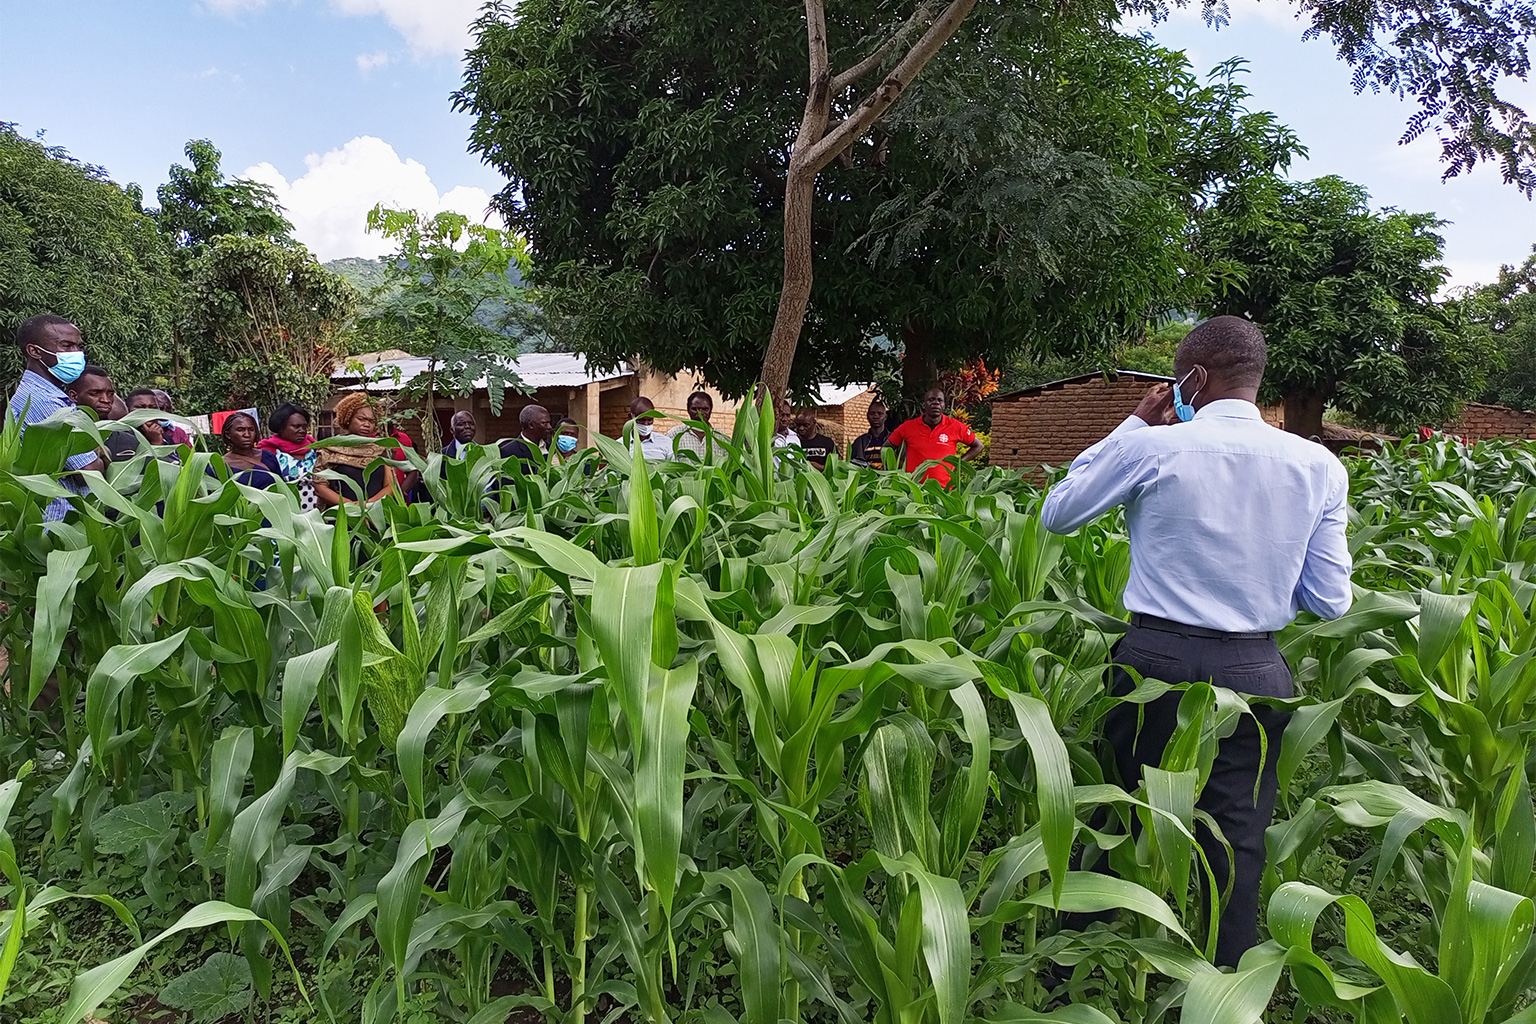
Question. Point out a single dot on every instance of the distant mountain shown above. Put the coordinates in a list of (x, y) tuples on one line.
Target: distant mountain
[(367, 274), (363, 274)]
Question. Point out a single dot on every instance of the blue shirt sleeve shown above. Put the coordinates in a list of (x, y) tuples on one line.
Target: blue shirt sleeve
[(1097, 481), (1324, 587)]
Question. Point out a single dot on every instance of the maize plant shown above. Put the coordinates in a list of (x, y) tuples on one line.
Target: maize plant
[(736, 741)]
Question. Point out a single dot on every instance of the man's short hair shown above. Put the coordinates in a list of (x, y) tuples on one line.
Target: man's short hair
[(92, 370), (701, 394), (529, 413), (1229, 347), (31, 330), (143, 393), (461, 413), (636, 410)]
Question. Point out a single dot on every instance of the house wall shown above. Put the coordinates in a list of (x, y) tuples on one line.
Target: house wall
[(1053, 426), (1479, 422)]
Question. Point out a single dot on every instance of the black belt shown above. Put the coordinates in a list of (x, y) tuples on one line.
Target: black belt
[(1141, 621)]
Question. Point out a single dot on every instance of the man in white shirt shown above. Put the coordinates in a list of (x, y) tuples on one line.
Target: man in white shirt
[(655, 447), (1234, 527)]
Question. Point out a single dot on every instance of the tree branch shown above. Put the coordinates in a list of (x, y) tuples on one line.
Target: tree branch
[(886, 93), (841, 83), (818, 97)]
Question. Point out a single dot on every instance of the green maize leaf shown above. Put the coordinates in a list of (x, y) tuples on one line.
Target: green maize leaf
[(429, 709), (1421, 997), (643, 531), (119, 668), (1440, 620), (754, 941), (54, 609), (659, 775), (93, 987), (301, 682), (1515, 827), (967, 800), (1078, 1013), (399, 891), (1053, 785), (1484, 934), (1173, 793), (1088, 892), (1238, 998), (946, 937), (228, 766)]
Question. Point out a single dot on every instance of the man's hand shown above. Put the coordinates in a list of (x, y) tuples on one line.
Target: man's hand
[(1156, 406)]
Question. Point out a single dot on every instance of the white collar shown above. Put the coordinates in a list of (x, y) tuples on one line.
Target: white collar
[(1229, 408)]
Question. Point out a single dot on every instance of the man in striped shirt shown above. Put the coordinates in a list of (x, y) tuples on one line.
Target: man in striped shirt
[(54, 354)]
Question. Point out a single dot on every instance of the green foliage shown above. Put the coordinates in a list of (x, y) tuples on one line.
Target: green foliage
[(1346, 300), (746, 741), (1033, 188), (197, 205), (437, 290), (262, 323), (1508, 308), (72, 242)]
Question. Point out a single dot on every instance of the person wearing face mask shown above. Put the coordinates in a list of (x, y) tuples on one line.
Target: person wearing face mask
[(565, 438), (173, 434), (54, 356), (1235, 526), (656, 447)]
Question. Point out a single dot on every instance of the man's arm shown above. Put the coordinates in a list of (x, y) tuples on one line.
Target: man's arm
[(1099, 478), (1324, 588), (972, 446)]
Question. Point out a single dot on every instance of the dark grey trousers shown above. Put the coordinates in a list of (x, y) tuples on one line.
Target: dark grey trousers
[(1250, 664)]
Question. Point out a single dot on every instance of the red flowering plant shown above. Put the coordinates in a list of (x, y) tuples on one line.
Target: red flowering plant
[(969, 387)]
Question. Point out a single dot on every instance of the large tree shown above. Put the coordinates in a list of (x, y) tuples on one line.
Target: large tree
[(1346, 298), (1032, 190), (670, 85), (74, 243), (261, 321), (1507, 307)]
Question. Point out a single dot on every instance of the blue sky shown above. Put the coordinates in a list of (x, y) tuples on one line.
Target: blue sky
[(342, 103)]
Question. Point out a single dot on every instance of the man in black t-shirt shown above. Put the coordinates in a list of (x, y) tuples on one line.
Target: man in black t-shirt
[(865, 450), (818, 446)]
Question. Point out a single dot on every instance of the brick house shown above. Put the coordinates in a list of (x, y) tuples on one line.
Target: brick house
[(1051, 424), (1479, 422)]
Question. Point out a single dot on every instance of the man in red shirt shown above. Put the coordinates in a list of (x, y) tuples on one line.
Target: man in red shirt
[(933, 435)]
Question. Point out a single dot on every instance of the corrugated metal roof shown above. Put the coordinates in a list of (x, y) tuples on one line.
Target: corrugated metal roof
[(1133, 374), (535, 369)]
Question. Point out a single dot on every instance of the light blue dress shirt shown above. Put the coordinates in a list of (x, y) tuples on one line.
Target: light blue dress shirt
[(1234, 524), (36, 399)]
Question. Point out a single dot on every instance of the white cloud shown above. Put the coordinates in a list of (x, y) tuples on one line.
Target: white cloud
[(366, 62), (329, 203), (431, 27)]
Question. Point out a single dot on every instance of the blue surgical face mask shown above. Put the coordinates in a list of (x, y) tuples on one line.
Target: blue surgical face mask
[(68, 366), (566, 443), (1181, 408)]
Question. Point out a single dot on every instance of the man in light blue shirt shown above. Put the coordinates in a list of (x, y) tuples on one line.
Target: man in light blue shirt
[(54, 355), (1234, 526)]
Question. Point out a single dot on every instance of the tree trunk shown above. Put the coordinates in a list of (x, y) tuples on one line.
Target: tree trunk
[(795, 295), (919, 363), (1304, 413), (819, 143)]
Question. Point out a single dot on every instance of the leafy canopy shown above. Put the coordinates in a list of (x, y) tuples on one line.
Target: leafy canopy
[(263, 323), (198, 205), (74, 243), (1032, 189), (446, 285), (1507, 308), (1345, 296)]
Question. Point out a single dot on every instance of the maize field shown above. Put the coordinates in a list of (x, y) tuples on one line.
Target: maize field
[(740, 742)]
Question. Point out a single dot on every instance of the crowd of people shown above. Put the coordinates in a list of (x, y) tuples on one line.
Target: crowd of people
[(57, 376)]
